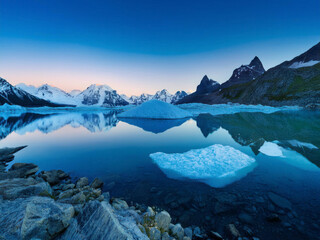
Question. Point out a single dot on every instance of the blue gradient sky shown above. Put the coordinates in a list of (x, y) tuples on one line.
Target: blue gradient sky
[(145, 46)]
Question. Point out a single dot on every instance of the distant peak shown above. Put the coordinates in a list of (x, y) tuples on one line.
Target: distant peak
[(255, 61)]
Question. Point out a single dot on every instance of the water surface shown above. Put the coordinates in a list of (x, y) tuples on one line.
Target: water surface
[(98, 144)]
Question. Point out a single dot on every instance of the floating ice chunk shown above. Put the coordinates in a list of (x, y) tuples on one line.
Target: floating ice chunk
[(155, 109), (271, 149), (216, 165), (296, 143), (303, 64)]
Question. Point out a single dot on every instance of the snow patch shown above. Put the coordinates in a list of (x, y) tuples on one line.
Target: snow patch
[(303, 64), (155, 109), (216, 165)]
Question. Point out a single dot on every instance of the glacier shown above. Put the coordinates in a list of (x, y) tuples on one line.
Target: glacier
[(218, 109), (155, 109), (216, 165)]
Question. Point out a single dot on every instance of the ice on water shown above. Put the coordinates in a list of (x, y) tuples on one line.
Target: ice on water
[(216, 165)]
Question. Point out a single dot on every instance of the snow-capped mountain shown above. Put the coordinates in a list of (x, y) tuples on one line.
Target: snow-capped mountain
[(163, 96), (74, 93), (137, 100), (178, 96), (49, 93), (94, 95), (97, 95), (15, 96), (245, 73), (100, 95)]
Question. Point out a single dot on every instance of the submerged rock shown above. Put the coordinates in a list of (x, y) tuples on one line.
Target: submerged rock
[(280, 201), (232, 231)]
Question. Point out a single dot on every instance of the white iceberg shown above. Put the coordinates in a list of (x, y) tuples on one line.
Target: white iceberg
[(155, 109), (216, 165), (271, 149), (218, 109)]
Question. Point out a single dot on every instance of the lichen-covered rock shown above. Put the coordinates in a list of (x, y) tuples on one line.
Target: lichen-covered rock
[(154, 234), (96, 183), (177, 231), (79, 198), (119, 204), (44, 218), (68, 186), (98, 221), (163, 220), (82, 182), (53, 177), (67, 194), (33, 218), (165, 236), (150, 212)]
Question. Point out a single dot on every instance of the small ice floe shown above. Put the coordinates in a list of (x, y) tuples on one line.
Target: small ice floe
[(271, 149), (216, 165), (303, 64), (289, 156), (296, 143), (155, 109)]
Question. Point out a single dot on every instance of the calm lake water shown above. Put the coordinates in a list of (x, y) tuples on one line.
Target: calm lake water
[(97, 144)]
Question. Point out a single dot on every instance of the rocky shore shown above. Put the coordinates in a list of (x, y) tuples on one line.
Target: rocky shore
[(49, 205)]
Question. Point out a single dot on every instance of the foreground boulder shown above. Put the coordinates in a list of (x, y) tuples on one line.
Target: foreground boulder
[(20, 170), (98, 221), (22, 188), (53, 177), (34, 218)]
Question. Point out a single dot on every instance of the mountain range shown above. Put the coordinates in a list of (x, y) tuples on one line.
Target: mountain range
[(96, 95), (294, 82), (16, 96)]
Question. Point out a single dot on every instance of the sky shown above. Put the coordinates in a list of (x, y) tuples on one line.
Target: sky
[(144, 45)]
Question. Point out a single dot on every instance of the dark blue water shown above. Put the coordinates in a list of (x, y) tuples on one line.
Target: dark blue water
[(117, 151)]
